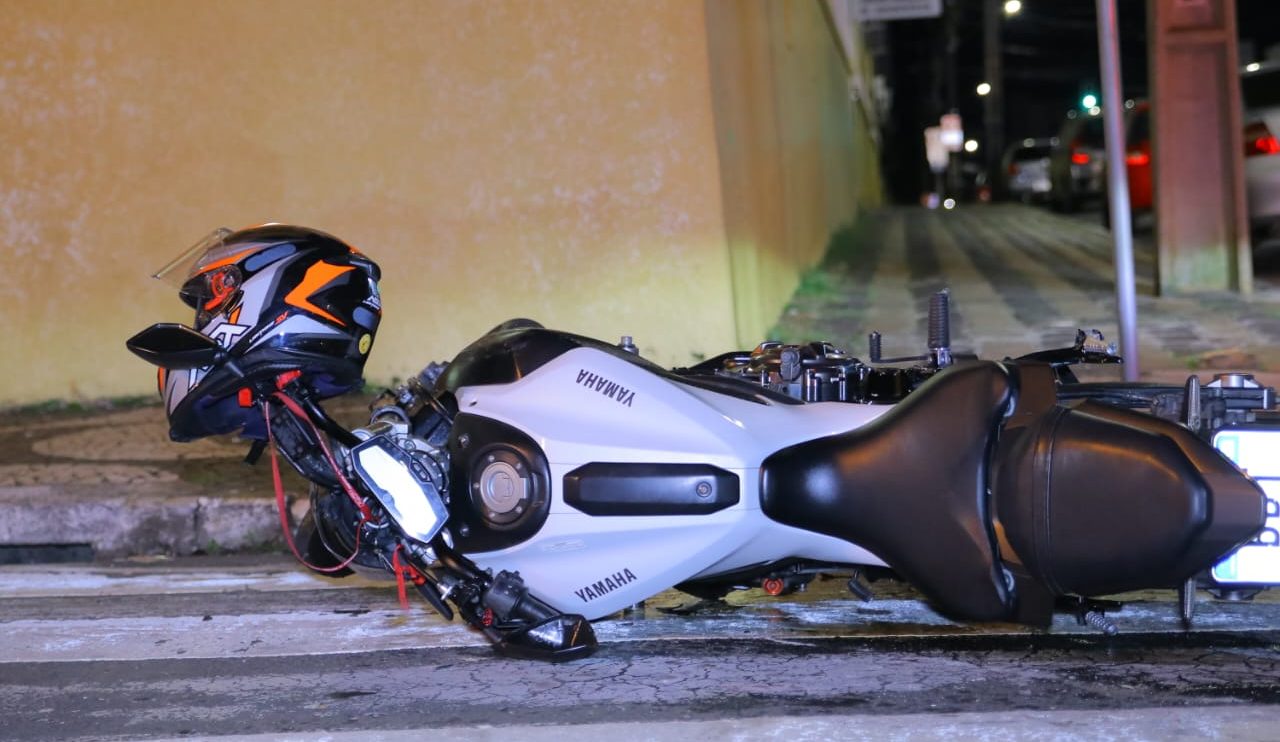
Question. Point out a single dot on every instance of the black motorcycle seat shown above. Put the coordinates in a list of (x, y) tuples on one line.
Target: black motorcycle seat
[(912, 488)]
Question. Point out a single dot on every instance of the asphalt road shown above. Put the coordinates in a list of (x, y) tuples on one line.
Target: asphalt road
[(254, 648)]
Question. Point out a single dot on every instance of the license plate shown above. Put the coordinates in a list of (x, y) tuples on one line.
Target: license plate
[(1258, 453)]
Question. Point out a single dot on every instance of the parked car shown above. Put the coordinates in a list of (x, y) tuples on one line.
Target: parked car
[(1260, 93), (1076, 164), (1137, 156), (1026, 169), (1137, 161)]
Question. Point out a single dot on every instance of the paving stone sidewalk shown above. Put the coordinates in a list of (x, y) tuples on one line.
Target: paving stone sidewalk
[(1021, 279)]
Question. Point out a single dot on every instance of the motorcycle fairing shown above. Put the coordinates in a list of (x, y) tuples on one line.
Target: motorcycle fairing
[(589, 406), (572, 407)]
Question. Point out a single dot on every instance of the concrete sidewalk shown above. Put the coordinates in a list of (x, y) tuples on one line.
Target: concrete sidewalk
[(1021, 279)]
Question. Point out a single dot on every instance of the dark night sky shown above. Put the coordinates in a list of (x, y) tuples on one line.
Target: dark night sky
[(1050, 57)]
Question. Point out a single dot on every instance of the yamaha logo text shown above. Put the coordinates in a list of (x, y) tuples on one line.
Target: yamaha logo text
[(610, 389), (604, 587)]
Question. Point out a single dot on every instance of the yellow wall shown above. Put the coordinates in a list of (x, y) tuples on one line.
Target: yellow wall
[(797, 160), (559, 160)]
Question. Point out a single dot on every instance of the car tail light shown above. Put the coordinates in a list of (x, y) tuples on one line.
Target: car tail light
[(1137, 158), (1258, 140), (1079, 158)]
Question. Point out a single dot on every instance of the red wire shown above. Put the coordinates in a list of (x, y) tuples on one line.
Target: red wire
[(298, 412), (400, 573), (401, 569), (365, 513)]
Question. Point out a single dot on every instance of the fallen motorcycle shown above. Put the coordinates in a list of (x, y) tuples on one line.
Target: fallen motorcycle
[(541, 479)]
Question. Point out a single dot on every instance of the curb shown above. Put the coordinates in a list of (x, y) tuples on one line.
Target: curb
[(116, 521)]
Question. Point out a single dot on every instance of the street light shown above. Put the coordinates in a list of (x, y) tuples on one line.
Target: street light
[(1252, 67), (984, 88), (1012, 7), (971, 145)]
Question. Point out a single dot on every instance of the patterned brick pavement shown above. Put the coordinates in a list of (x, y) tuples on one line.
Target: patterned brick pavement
[(1021, 279)]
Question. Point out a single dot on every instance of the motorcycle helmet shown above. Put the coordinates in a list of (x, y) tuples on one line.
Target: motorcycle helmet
[(286, 303)]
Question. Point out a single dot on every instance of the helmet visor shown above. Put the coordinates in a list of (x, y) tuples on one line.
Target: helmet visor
[(198, 258)]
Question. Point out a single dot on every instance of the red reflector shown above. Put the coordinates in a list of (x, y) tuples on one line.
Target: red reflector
[(283, 379), (1137, 158), (773, 586), (1258, 140), (245, 397), (1080, 158)]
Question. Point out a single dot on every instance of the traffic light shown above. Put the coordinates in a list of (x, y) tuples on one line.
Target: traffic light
[(1088, 100)]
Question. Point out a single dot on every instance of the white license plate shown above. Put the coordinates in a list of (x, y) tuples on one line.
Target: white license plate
[(1258, 453)]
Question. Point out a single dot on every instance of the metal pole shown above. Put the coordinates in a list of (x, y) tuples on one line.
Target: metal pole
[(993, 104), (951, 20), (1118, 185)]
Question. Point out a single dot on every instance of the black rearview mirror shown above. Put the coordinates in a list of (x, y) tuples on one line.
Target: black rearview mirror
[(175, 346)]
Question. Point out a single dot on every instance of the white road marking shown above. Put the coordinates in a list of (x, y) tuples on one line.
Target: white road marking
[(250, 635), (234, 628)]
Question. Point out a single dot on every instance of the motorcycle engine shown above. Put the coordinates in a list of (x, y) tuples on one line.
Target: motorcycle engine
[(815, 372)]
